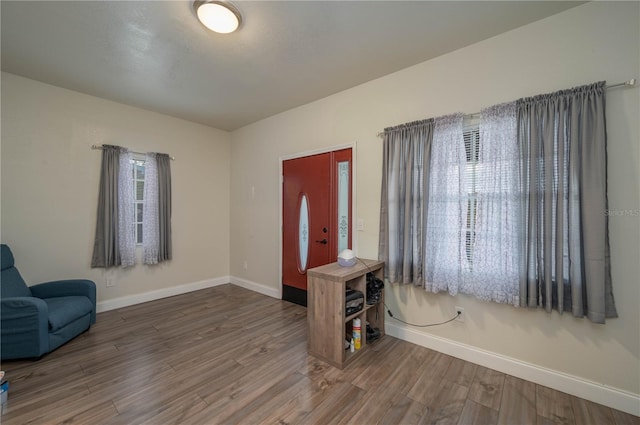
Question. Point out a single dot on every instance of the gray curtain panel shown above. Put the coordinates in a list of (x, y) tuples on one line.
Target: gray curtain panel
[(403, 207), (106, 251), (164, 206), (566, 264)]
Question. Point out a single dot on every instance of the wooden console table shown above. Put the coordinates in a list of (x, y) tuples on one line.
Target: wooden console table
[(329, 328)]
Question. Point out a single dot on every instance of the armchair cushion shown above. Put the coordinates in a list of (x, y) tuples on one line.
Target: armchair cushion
[(64, 310), (68, 288)]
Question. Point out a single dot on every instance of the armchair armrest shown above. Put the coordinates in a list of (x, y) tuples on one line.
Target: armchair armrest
[(67, 288), (24, 327)]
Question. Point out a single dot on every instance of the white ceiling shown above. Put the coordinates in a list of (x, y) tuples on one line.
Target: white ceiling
[(157, 56)]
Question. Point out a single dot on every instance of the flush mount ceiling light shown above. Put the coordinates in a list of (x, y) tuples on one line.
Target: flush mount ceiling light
[(218, 16)]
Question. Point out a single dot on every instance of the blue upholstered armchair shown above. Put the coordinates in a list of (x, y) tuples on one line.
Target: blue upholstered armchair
[(38, 319)]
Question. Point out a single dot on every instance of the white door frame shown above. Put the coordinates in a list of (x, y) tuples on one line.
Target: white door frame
[(283, 158)]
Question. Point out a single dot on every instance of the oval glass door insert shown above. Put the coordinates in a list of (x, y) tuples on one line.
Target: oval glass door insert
[(303, 233)]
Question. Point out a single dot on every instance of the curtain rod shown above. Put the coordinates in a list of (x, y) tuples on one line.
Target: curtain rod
[(628, 83), (99, 147)]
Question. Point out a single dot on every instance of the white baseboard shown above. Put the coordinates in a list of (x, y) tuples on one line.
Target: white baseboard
[(160, 293), (579, 387), (257, 287)]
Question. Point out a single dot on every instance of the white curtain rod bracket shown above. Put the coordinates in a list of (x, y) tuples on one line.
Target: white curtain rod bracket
[(628, 83)]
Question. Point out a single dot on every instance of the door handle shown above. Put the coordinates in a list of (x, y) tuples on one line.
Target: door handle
[(323, 242)]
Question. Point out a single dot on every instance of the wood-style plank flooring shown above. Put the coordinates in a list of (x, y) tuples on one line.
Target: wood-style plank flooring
[(227, 355)]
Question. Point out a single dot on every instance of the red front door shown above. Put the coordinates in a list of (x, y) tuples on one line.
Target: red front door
[(310, 217)]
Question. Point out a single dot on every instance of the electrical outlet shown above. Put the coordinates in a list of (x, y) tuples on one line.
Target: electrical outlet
[(245, 265), (460, 312), (110, 282)]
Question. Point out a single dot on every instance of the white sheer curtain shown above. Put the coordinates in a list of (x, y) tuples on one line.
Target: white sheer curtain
[(473, 216), (445, 251), (150, 226), (126, 231), (496, 243)]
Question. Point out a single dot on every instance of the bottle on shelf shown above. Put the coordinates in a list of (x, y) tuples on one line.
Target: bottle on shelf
[(357, 333)]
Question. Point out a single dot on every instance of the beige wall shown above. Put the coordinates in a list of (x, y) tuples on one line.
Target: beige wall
[(50, 186), (592, 42)]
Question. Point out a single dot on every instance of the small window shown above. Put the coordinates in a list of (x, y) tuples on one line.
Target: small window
[(138, 193)]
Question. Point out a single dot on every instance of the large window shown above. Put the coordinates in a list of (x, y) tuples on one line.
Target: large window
[(511, 211)]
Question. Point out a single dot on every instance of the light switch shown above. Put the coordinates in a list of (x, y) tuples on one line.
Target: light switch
[(360, 224)]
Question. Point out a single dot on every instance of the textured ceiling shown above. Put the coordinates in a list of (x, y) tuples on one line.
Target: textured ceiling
[(157, 56)]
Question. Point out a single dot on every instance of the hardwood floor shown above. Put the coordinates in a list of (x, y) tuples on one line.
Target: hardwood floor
[(227, 355)]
